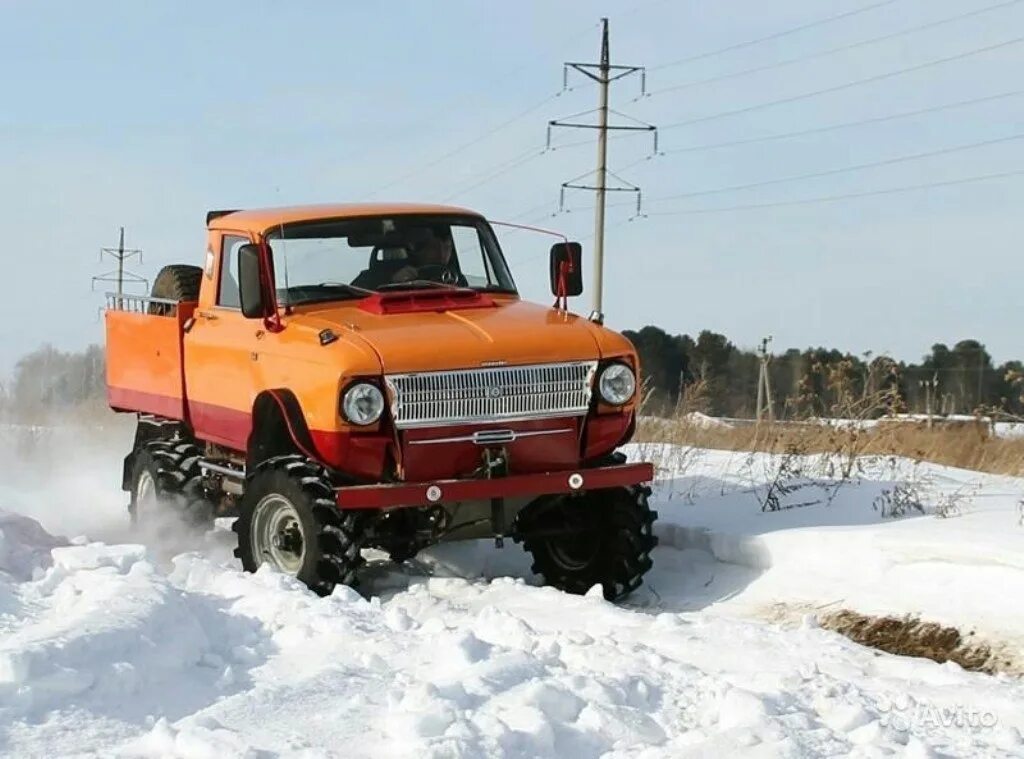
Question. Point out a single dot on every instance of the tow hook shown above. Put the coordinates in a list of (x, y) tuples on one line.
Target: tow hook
[(498, 521), (496, 464)]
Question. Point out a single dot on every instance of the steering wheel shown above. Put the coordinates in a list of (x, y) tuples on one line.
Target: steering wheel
[(437, 273)]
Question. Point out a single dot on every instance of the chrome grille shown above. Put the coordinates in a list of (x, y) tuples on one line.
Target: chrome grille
[(499, 393)]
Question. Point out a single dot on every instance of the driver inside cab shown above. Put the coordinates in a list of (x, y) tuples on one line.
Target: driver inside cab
[(431, 259)]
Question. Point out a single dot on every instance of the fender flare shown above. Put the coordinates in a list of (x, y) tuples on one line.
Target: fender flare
[(281, 405)]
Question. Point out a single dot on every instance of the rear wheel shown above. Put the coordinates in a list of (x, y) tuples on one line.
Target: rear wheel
[(166, 480), (603, 537), (177, 282), (290, 520), (145, 500)]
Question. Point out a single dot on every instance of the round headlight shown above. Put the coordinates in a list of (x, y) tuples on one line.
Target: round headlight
[(617, 384), (363, 403)]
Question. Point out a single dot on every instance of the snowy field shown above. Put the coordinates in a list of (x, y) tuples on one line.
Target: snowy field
[(108, 648)]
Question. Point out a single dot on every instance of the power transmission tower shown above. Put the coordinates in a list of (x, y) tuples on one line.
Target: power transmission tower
[(120, 276), (764, 386), (604, 73)]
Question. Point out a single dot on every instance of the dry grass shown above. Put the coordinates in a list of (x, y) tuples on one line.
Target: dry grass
[(910, 636), (964, 445)]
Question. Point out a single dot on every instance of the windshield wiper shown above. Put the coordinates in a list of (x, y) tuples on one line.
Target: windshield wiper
[(351, 290), (416, 284)]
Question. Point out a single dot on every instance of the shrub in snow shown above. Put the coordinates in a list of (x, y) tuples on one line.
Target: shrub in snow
[(912, 636), (788, 479), (956, 504), (899, 500)]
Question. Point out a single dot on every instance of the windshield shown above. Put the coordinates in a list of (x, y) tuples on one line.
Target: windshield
[(327, 260)]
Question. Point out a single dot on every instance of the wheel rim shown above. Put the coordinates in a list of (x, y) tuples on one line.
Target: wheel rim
[(575, 552), (277, 535), (145, 493), (578, 549)]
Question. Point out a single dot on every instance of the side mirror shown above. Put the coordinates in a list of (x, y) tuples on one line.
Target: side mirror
[(250, 282), (566, 269)]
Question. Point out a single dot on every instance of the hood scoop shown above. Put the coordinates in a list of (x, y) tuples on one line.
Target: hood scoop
[(438, 300)]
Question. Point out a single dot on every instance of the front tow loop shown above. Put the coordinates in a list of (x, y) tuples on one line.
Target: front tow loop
[(496, 465)]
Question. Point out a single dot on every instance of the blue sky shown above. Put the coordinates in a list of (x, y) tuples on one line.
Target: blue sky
[(149, 114)]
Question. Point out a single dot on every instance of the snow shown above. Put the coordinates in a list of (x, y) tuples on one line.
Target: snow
[(110, 648), (956, 569), (1012, 430)]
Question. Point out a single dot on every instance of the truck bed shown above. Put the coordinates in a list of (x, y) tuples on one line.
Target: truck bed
[(144, 355)]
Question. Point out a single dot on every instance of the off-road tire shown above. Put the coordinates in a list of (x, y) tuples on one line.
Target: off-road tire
[(609, 544), (332, 540), (173, 467), (177, 282)]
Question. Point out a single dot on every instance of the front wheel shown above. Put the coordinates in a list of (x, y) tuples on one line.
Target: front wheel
[(602, 537), (289, 519)]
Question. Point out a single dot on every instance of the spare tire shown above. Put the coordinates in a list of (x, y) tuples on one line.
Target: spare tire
[(177, 282)]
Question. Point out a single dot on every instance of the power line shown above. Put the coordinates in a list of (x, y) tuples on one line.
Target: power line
[(818, 130), (846, 196), (514, 162), (829, 198), (465, 146), (500, 78), (822, 129), (773, 36), (827, 172), (640, 5), (835, 50), (846, 85), (804, 132), (843, 125), (825, 199), (444, 109), (844, 169), (503, 167), (499, 170), (529, 211)]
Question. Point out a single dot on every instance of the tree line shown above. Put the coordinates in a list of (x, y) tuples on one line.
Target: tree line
[(961, 379), (48, 381)]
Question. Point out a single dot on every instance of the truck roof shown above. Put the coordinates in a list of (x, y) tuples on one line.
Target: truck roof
[(262, 219)]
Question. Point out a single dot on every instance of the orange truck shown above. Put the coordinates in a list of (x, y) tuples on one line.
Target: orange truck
[(343, 377)]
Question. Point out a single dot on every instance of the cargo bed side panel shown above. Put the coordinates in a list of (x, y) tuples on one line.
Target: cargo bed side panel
[(144, 362)]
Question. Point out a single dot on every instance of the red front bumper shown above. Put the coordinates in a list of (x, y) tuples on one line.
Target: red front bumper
[(519, 485)]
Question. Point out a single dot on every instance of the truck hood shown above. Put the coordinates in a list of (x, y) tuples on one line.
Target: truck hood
[(512, 332)]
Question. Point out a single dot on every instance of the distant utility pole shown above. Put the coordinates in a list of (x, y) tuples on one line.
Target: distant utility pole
[(120, 276), (930, 387), (764, 385), (981, 375), (604, 73)]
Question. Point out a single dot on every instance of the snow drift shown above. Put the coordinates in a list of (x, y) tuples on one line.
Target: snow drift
[(108, 649)]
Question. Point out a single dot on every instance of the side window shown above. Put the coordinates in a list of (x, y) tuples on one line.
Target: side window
[(227, 289), (473, 264)]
